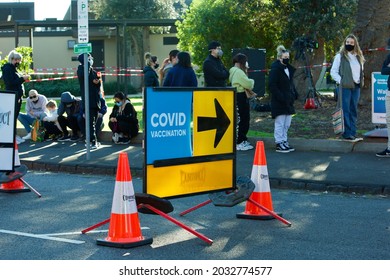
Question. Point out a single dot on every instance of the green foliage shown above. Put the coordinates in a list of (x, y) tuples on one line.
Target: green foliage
[(236, 24), (55, 88), (24, 67), (327, 21), (134, 9), (263, 24)]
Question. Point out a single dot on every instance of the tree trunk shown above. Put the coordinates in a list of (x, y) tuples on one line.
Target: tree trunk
[(373, 30)]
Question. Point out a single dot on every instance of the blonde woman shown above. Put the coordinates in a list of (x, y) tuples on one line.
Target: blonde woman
[(283, 95), (347, 70), (150, 74)]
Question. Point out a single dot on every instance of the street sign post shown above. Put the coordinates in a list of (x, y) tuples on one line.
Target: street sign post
[(82, 22)]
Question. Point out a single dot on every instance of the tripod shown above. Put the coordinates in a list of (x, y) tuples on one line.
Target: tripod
[(312, 93)]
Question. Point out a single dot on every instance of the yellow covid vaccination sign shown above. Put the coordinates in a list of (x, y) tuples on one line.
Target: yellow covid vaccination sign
[(189, 141)]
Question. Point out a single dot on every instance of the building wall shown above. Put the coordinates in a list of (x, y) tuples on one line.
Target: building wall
[(53, 52)]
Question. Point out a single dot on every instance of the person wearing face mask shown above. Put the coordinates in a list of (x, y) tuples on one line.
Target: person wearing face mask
[(123, 120), (239, 80), (70, 105), (215, 73), (14, 80), (94, 95), (283, 95), (150, 71), (347, 71), (35, 109)]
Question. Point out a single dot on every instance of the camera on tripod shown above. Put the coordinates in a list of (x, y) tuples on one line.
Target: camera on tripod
[(301, 44)]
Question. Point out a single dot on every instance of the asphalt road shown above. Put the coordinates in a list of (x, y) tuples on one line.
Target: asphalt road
[(325, 226)]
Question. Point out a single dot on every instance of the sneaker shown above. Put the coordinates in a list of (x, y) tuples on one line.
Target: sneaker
[(74, 138), (243, 146), (115, 137), (247, 144), (352, 139), (385, 153), (288, 146), (123, 140), (281, 148), (19, 140), (64, 138), (27, 137)]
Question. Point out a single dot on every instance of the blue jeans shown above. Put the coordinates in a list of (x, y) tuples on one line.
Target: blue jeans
[(26, 121), (350, 100)]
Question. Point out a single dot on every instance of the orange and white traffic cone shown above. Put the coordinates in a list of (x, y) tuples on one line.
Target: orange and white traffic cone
[(125, 229), (262, 192), (16, 185)]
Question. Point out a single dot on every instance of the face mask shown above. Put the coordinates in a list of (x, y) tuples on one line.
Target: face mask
[(349, 47), (220, 53), (156, 66), (246, 65), (119, 103), (90, 61), (17, 64), (285, 61)]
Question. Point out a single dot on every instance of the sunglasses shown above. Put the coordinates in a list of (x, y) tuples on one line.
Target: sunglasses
[(33, 96)]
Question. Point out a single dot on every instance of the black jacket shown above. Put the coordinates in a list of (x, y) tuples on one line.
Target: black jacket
[(12, 79), (94, 89), (150, 77), (215, 73), (128, 115), (282, 90), (386, 70)]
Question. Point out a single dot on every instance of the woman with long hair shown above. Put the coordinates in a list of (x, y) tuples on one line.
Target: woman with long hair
[(347, 71)]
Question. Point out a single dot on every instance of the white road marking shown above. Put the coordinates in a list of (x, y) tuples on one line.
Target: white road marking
[(41, 236)]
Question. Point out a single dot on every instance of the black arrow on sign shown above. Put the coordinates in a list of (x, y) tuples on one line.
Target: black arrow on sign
[(220, 123)]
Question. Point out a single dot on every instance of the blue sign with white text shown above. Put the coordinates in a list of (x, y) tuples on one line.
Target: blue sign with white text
[(168, 124), (379, 90)]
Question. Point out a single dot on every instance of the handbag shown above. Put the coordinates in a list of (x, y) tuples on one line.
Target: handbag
[(38, 131), (250, 93), (338, 116)]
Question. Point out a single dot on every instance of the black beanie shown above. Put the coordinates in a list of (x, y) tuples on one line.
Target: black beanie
[(81, 58), (213, 45)]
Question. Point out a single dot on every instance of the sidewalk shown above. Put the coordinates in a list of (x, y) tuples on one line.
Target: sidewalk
[(320, 165)]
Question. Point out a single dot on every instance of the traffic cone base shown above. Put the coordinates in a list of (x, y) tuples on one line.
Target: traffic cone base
[(15, 186)]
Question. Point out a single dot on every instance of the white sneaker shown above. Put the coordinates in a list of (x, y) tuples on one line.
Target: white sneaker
[(19, 140), (244, 146), (247, 144), (27, 137), (115, 137)]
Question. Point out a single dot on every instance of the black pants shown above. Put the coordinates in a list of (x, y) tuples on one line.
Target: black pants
[(243, 117), (69, 121), (51, 129), (128, 129)]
